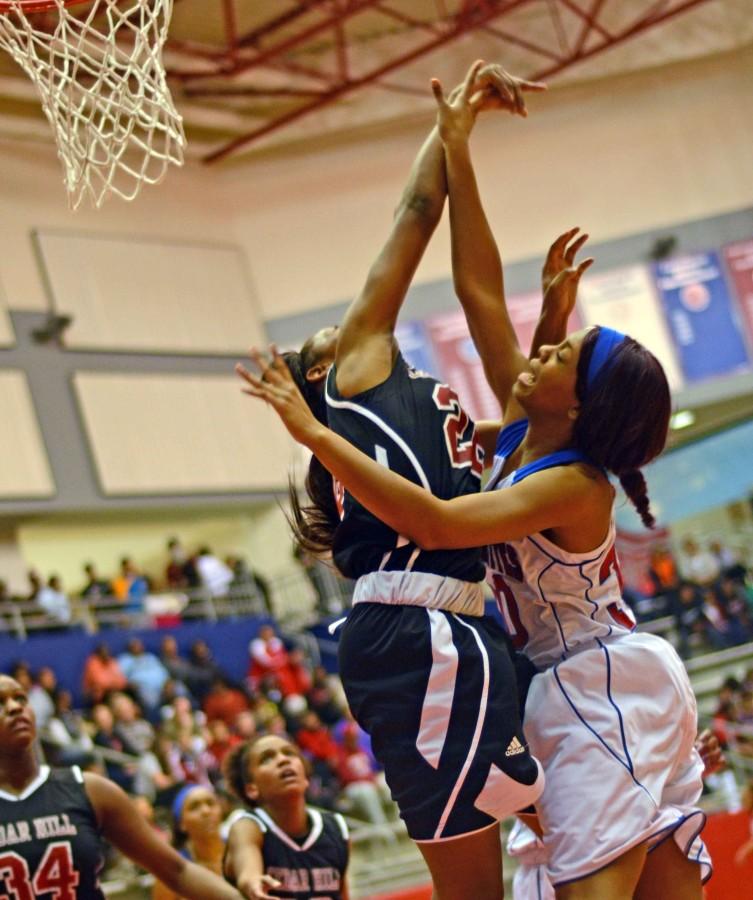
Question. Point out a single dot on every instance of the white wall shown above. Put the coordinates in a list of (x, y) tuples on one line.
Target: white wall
[(615, 156), (618, 156)]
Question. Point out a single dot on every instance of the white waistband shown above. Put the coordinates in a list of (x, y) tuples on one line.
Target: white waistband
[(425, 589)]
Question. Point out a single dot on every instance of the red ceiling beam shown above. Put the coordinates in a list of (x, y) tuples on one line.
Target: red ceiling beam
[(474, 14), (470, 15)]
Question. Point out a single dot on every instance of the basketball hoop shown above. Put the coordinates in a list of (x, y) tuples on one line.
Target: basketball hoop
[(99, 75)]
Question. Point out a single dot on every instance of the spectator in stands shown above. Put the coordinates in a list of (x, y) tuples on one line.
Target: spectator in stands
[(729, 564), (144, 672), (665, 578), (54, 601), (734, 601), (698, 566), (35, 584), (723, 628), (745, 723), (689, 616), (95, 587), (106, 737), (360, 782), (214, 575), (245, 725), (322, 698), (724, 719), (66, 734), (134, 731), (224, 702), (221, 740), (178, 667), (130, 586), (40, 694), (204, 669), (249, 583), (181, 569), (5, 597), (102, 674), (269, 659)]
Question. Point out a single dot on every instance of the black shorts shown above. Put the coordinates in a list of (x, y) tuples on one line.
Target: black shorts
[(436, 692)]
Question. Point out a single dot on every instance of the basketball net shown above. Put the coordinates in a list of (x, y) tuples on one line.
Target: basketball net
[(102, 85)]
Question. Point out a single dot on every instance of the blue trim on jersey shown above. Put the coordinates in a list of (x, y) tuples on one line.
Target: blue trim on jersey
[(510, 437), (670, 830), (551, 605), (538, 882), (628, 757), (598, 737), (593, 602), (558, 458)]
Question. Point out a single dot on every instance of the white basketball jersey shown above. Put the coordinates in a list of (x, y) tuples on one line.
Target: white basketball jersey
[(553, 602)]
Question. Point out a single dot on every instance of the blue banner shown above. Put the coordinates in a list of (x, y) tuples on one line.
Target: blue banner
[(701, 316), (416, 348)]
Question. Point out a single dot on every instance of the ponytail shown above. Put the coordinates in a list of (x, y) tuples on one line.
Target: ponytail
[(313, 524), (623, 419), (634, 485)]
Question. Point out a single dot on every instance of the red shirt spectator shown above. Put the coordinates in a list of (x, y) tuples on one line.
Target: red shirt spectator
[(102, 674), (315, 740), (224, 702)]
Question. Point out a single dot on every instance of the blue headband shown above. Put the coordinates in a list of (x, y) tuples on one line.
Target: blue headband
[(180, 801), (607, 342)]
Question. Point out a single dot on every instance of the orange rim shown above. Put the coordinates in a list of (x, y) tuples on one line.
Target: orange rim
[(32, 6)]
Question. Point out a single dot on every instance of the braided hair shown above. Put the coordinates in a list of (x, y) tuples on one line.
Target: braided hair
[(624, 415)]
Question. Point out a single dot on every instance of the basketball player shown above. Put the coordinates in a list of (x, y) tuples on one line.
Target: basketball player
[(196, 832), (531, 881), (53, 823), (425, 675), (612, 708), (282, 844)]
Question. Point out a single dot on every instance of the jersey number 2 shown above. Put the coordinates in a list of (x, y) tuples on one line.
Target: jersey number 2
[(55, 875), (462, 452)]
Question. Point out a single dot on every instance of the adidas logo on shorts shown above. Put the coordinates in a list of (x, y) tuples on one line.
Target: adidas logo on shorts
[(514, 747)]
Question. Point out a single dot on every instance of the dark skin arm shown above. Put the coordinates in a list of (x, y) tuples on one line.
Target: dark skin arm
[(133, 836), (244, 862), (366, 347), (572, 503)]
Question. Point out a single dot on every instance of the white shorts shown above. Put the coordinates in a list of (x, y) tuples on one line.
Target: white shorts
[(614, 727), (531, 880)]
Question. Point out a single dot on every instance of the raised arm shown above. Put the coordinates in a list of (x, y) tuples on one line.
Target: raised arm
[(123, 827), (477, 267), (555, 498), (560, 277), (366, 347)]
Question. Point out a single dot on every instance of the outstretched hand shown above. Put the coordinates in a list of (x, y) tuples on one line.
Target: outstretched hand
[(560, 276), (276, 387), (486, 86)]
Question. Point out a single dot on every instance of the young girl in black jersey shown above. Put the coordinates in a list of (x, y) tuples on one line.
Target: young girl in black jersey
[(53, 823), (282, 844), (426, 676)]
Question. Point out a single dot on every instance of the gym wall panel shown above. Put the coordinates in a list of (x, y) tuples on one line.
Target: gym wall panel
[(150, 296), (7, 338), (175, 434), (24, 468)]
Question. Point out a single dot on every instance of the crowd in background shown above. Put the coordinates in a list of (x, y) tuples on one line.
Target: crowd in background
[(706, 590), (169, 719), (184, 572)]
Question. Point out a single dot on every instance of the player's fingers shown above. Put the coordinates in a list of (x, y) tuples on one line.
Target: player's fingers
[(520, 103), (470, 78), (436, 89), (586, 264), (535, 86), (560, 242), (572, 250), (247, 376)]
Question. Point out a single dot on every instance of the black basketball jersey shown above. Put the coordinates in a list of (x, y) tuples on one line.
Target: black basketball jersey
[(50, 844), (315, 866), (415, 426)]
